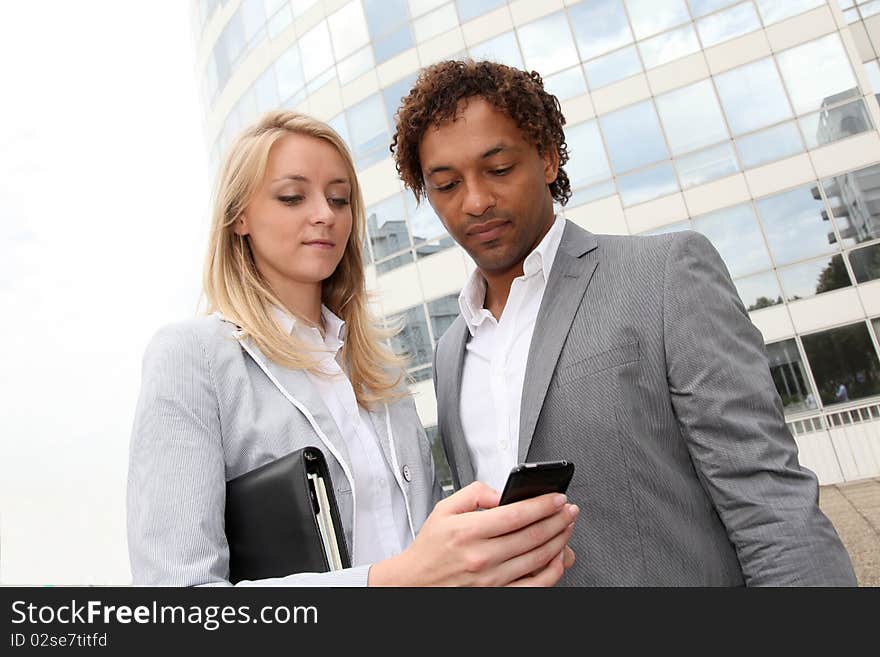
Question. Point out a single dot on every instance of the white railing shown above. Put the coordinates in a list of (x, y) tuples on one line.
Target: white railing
[(840, 445)]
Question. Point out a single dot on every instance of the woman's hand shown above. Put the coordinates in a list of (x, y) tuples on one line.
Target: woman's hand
[(461, 545)]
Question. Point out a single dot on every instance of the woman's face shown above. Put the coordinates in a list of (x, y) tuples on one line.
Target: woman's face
[(299, 220)]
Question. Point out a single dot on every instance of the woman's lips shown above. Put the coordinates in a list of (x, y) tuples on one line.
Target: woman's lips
[(320, 244)]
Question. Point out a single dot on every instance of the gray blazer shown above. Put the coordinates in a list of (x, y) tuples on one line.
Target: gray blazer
[(645, 371), (213, 407)]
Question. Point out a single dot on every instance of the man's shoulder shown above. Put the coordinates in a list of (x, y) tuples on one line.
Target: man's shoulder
[(451, 336)]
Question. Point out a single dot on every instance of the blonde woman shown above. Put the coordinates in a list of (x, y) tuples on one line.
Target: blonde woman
[(289, 357)]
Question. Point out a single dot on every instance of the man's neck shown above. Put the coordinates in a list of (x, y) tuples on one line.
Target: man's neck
[(498, 283)]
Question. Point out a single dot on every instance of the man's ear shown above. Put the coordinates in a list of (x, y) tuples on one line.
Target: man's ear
[(551, 165), (241, 226)]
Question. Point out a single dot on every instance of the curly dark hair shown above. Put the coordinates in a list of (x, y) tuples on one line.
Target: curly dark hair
[(520, 95)]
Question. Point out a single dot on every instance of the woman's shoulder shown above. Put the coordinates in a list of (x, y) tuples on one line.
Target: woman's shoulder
[(199, 338)]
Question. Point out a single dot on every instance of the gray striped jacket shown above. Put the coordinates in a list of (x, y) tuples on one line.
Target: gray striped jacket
[(212, 407)]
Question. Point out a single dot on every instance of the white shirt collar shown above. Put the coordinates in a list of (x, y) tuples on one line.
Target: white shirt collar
[(334, 328), (540, 260)]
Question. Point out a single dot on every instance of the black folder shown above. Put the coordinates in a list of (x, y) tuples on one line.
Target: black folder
[(279, 521)]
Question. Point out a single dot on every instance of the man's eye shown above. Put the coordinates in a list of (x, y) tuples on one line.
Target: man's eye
[(290, 200), (501, 172), (446, 188)]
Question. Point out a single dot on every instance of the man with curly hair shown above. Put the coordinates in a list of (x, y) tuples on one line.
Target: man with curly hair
[(631, 356)]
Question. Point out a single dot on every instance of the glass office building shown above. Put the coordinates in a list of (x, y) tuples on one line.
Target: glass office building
[(754, 122)]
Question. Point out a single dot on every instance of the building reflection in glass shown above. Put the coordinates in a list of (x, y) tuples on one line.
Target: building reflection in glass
[(790, 377)]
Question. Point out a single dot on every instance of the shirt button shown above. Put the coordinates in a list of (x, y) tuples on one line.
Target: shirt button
[(407, 473)]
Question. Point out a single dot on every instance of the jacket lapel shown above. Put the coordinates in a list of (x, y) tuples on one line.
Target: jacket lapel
[(296, 384), (448, 369), (569, 278)]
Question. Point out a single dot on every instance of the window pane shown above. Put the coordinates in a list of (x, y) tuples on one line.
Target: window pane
[(368, 132), (316, 42), (387, 227), (338, 124), (735, 233), (759, 291), (393, 96), (815, 277), (613, 67), (669, 228), (752, 96), (830, 125), (355, 65), (414, 339), (599, 26), (691, 117), (855, 203), (648, 184), (279, 22), (348, 29), (773, 11), (567, 84), (392, 44), (424, 222), (817, 74), (633, 137), (436, 23), (266, 91), (383, 16), (703, 7), (649, 17), (547, 44), (395, 262), (419, 7), (844, 363), (795, 225), (253, 16), (469, 9), (768, 145), (866, 263), (707, 165), (593, 193), (288, 69), (725, 25), (668, 46), (443, 312), (502, 49), (790, 376), (588, 163)]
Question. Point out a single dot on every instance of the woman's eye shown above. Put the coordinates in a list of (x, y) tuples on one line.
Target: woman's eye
[(339, 202), (290, 200), (445, 188)]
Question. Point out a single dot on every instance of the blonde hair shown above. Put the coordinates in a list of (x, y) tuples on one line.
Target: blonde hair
[(235, 288)]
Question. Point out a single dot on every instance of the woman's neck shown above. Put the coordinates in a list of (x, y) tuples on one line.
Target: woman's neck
[(302, 300)]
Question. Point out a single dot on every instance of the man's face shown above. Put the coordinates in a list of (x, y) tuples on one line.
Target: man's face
[(488, 185)]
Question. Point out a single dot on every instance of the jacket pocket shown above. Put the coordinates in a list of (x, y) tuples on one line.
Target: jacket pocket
[(599, 361)]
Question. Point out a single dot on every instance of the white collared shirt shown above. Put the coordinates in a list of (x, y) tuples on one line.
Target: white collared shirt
[(495, 361), (382, 524)]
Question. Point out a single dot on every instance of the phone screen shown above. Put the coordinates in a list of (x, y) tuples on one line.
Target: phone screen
[(532, 479)]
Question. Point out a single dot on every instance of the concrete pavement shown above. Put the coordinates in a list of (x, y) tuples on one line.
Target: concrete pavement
[(854, 509)]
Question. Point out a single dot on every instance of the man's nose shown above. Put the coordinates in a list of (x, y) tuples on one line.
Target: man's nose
[(478, 198)]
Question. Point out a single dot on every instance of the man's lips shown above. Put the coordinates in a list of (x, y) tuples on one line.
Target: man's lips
[(489, 230)]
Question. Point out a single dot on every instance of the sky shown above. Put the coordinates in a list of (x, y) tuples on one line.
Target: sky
[(104, 203)]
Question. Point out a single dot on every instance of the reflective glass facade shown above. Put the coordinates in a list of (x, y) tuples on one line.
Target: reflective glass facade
[(753, 122)]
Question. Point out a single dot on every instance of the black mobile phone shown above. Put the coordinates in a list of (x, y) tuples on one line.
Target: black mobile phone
[(532, 479)]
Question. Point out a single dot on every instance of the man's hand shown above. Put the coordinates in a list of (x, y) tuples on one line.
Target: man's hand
[(460, 545)]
